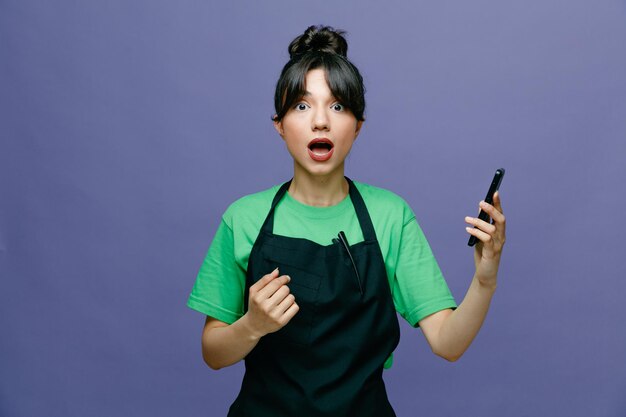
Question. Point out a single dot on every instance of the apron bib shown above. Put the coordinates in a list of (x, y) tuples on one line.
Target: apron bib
[(328, 360)]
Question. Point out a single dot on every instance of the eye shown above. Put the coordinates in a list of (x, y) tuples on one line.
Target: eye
[(338, 107), (301, 106)]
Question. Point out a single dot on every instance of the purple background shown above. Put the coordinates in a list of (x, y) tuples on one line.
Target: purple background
[(127, 127)]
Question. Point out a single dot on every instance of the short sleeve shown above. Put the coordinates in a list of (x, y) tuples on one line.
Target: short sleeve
[(419, 287), (219, 287)]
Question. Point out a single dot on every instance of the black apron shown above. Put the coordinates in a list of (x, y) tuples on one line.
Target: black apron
[(328, 360)]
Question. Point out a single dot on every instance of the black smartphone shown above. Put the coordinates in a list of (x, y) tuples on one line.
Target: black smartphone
[(495, 184)]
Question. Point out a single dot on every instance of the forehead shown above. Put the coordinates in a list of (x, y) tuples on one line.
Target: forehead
[(315, 84)]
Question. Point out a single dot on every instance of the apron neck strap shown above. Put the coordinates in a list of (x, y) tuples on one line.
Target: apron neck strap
[(361, 212), (357, 201), (268, 225)]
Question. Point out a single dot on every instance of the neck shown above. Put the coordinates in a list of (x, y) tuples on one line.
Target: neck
[(320, 191)]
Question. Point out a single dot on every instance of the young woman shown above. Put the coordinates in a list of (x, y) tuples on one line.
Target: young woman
[(304, 280)]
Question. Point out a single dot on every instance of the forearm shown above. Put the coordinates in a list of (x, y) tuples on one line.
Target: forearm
[(226, 345), (462, 325), (452, 333)]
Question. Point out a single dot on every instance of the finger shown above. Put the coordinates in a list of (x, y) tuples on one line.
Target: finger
[(278, 296), (291, 311), (496, 215), (284, 305), (497, 202), (264, 281), (481, 224), (482, 236), (269, 290)]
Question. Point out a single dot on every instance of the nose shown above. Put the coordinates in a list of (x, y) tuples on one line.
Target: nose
[(320, 120)]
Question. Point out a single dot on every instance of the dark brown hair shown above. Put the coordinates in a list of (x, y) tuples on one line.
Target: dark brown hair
[(326, 48)]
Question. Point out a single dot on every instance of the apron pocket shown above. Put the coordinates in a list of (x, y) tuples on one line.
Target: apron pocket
[(305, 287)]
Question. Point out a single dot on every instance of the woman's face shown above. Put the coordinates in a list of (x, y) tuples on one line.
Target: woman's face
[(318, 130)]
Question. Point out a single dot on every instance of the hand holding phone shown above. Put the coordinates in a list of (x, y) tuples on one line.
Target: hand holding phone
[(495, 185)]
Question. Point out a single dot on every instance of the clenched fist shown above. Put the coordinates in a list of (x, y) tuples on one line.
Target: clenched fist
[(270, 305)]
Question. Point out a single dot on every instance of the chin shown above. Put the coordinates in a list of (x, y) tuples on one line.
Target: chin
[(323, 171)]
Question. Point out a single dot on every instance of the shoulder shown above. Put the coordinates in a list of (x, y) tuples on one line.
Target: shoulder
[(382, 201), (250, 207)]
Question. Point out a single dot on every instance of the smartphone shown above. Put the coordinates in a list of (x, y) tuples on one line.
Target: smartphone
[(495, 184)]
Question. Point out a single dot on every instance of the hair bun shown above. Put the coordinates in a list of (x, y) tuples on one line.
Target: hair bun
[(319, 38)]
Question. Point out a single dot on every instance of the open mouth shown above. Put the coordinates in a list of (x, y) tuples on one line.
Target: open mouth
[(320, 149)]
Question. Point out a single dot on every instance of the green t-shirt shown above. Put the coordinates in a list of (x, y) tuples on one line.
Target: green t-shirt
[(415, 280)]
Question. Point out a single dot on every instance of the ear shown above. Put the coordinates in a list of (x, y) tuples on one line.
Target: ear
[(278, 125), (359, 124)]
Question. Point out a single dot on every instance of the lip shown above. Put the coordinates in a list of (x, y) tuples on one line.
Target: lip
[(324, 157)]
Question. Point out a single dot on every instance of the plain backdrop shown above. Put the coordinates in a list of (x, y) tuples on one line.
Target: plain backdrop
[(128, 127)]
